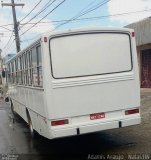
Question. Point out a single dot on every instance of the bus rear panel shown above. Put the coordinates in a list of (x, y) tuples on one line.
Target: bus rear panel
[(95, 82), (76, 82)]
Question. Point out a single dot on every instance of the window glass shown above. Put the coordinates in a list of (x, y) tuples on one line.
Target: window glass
[(16, 66), (9, 68), (90, 54), (40, 78), (16, 75), (39, 55), (29, 71), (9, 73), (27, 60), (21, 72), (23, 68), (19, 77), (27, 68), (34, 57), (30, 59), (36, 66), (12, 72), (29, 77), (12, 67), (35, 77), (39, 67), (18, 63), (23, 61)]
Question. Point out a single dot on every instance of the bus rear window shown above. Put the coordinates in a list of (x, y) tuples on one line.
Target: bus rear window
[(90, 54)]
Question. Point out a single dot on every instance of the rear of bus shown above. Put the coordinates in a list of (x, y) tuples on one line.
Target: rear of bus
[(95, 81)]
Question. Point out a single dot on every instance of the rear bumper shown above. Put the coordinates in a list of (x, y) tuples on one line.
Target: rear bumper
[(95, 127)]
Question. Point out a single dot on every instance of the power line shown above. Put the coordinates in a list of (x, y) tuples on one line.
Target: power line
[(44, 16), (5, 25), (87, 6), (31, 11), (105, 16), (25, 38), (5, 31), (43, 9), (5, 53), (8, 41), (5, 28), (78, 19), (86, 12), (92, 8), (91, 18), (86, 18), (95, 17), (89, 10)]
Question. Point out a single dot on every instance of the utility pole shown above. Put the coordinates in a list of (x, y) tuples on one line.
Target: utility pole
[(16, 24)]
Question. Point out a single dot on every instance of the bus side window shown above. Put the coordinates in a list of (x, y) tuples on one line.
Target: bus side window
[(8, 73), (12, 72), (30, 68), (3, 74), (34, 66), (21, 65), (16, 69), (24, 68), (19, 71), (39, 66)]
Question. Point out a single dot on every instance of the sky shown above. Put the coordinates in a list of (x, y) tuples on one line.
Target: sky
[(84, 13)]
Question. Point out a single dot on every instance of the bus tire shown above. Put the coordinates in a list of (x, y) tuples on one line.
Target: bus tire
[(6, 99)]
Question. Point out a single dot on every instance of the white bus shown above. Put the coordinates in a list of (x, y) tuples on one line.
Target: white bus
[(77, 81)]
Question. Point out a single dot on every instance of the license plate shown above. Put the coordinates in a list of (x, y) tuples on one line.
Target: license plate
[(97, 116)]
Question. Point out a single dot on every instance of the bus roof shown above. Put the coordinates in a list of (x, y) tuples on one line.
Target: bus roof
[(76, 30), (93, 29)]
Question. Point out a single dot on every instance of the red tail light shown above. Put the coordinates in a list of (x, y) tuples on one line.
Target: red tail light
[(133, 34), (133, 111), (45, 39), (59, 122)]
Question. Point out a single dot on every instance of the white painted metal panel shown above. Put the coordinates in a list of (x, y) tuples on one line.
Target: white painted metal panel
[(76, 98)]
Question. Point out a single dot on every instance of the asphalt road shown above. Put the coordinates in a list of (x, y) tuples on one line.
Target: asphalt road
[(125, 143)]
